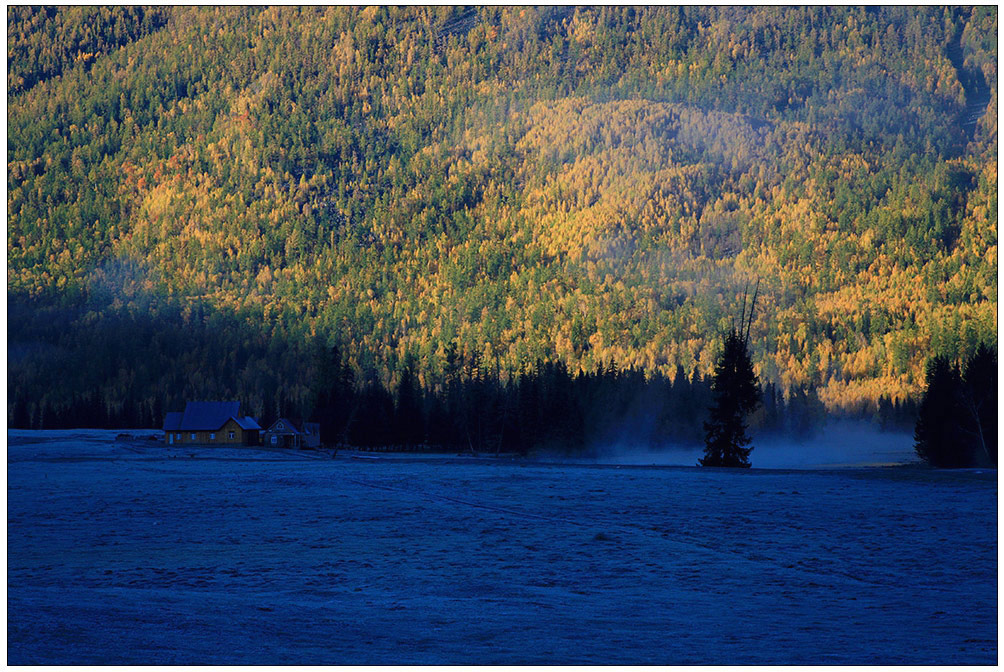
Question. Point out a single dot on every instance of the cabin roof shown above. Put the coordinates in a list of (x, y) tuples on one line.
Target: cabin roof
[(172, 421), (295, 427), (208, 415), (288, 426), (247, 422)]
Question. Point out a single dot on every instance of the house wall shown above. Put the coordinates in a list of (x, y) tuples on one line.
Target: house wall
[(282, 440), (221, 436)]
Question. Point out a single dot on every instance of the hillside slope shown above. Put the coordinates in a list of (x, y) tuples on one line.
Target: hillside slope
[(197, 195)]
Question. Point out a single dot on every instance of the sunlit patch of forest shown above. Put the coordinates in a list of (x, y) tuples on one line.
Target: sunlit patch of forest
[(197, 197)]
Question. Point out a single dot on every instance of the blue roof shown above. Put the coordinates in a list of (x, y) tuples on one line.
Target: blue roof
[(208, 415), (172, 421), (287, 426), (247, 422)]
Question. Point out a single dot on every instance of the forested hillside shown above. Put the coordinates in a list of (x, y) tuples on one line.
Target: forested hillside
[(200, 197)]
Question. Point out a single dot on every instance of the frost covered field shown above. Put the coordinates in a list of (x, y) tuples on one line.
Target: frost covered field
[(129, 552)]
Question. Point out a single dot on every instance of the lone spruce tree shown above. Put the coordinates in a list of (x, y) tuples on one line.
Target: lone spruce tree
[(736, 394)]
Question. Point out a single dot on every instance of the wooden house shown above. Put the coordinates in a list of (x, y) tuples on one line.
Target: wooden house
[(286, 433), (209, 423)]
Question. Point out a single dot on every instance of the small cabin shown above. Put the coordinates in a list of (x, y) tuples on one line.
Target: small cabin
[(286, 433), (209, 423)]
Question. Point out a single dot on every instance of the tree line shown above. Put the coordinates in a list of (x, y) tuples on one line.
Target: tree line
[(542, 407)]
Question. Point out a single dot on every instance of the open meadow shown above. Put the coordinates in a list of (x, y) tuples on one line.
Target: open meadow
[(132, 552)]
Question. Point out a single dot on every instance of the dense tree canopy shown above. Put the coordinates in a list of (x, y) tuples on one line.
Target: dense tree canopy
[(197, 195)]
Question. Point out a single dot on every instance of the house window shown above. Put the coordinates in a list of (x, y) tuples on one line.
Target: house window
[(279, 426), (212, 437), (231, 435), (193, 436), (178, 436), (275, 439)]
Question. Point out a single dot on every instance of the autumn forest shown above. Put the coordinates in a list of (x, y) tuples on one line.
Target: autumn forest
[(278, 204)]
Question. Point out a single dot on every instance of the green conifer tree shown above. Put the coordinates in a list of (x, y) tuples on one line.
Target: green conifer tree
[(735, 396), (936, 435), (957, 422)]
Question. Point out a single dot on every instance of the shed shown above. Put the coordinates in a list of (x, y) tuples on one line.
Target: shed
[(286, 433)]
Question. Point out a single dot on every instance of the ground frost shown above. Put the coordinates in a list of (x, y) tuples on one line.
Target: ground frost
[(128, 552)]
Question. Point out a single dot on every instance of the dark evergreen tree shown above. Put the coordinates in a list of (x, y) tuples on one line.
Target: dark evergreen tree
[(529, 409), (374, 421), (979, 404), (334, 398), (19, 416), (735, 396), (806, 413), (409, 423), (957, 421), (936, 435)]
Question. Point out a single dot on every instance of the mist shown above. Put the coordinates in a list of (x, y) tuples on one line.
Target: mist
[(838, 444)]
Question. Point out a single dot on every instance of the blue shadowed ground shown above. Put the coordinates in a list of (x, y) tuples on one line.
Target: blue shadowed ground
[(131, 552)]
